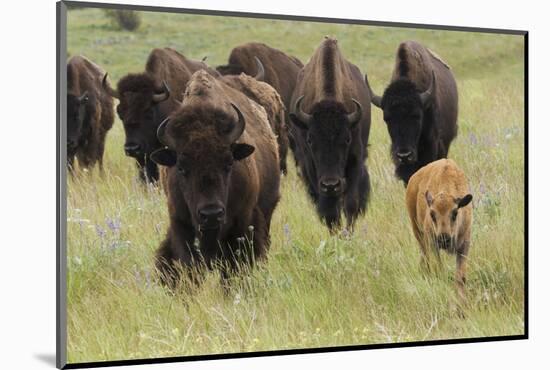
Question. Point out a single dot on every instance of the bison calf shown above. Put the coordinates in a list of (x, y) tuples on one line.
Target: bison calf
[(440, 210), (89, 113)]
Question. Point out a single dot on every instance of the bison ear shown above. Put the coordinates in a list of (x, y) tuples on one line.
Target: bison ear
[(464, 201), (241, 151), (164, 157), (294, 118), (429, 198)]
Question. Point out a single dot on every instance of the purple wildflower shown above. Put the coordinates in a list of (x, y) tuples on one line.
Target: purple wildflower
[(113, 224), (286, 230), (473, 138), (100, 231)]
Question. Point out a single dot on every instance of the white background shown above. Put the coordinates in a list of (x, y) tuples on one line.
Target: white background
[(27, 181)]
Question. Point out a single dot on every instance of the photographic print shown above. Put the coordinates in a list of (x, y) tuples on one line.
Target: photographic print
[(240, 185)]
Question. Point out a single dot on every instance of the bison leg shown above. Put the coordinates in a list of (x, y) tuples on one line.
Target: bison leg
[(151, 171), (355, 202), (175, 255), (244, 252), (460, 276)]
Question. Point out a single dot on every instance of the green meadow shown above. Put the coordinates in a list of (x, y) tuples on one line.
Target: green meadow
[(315, 290)]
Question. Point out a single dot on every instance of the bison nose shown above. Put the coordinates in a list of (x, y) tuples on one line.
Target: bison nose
[(331, 186), (211, 215), (132, 149), (444, 239), (404, 154)]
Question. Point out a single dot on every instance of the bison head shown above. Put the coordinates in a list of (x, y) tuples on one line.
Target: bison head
[(443, 217), (76, 123), (200, 146), (404, 106), (139, 112), (328, 132)]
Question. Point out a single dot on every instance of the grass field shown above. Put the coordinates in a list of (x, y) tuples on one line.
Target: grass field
[(315, 290)]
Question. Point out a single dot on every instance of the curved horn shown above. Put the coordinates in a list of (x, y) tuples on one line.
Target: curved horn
[(108, 88), (356, 116), (302, 116), (426, 95), (165, 94), (83, 97), (161, 130), (374, 99), (237, 131), (260, 74)]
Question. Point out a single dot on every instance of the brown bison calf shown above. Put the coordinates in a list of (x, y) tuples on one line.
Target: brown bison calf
[(440, 210), (222, 181), (89, 113)]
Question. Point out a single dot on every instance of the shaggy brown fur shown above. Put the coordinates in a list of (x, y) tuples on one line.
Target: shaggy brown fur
[(206, 171), (281, 71), (440, 210), (266, 96), (330, 148), (140, 115), (90, 120)]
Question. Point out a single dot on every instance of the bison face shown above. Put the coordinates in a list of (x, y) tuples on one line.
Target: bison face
[(404, 126), (140, 126), (139, 112), (443, 217), (76, 130), (404, 107), (202, 167), (328, 134)]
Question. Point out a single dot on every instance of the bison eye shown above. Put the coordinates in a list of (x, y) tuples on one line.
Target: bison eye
[(432, 214), (308, 141), (182, 171), (453, 215)]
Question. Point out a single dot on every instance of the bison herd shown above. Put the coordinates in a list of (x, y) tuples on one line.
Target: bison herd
[(216, 140)]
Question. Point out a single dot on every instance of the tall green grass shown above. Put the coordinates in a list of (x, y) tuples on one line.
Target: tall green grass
[(315, 290)]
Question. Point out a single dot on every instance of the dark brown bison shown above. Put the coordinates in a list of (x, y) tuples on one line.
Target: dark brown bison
[(89, 113), (420, 108), (222, 181), (279, 70), (331, 124), (147, 98), (269, 99)]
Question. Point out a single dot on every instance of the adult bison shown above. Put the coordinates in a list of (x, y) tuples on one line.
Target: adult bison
[(420, 108), (331, 123), (147, 98), (269, 99), (222, 181), (89, 113), (279, 70)]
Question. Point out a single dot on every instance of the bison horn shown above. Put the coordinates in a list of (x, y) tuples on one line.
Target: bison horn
[(161, 131), (165, 94), (302, 116), (356, 116), (374, 99), (84, 97), (260, 75), (108, 88), (238, 129), (426, 96)]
